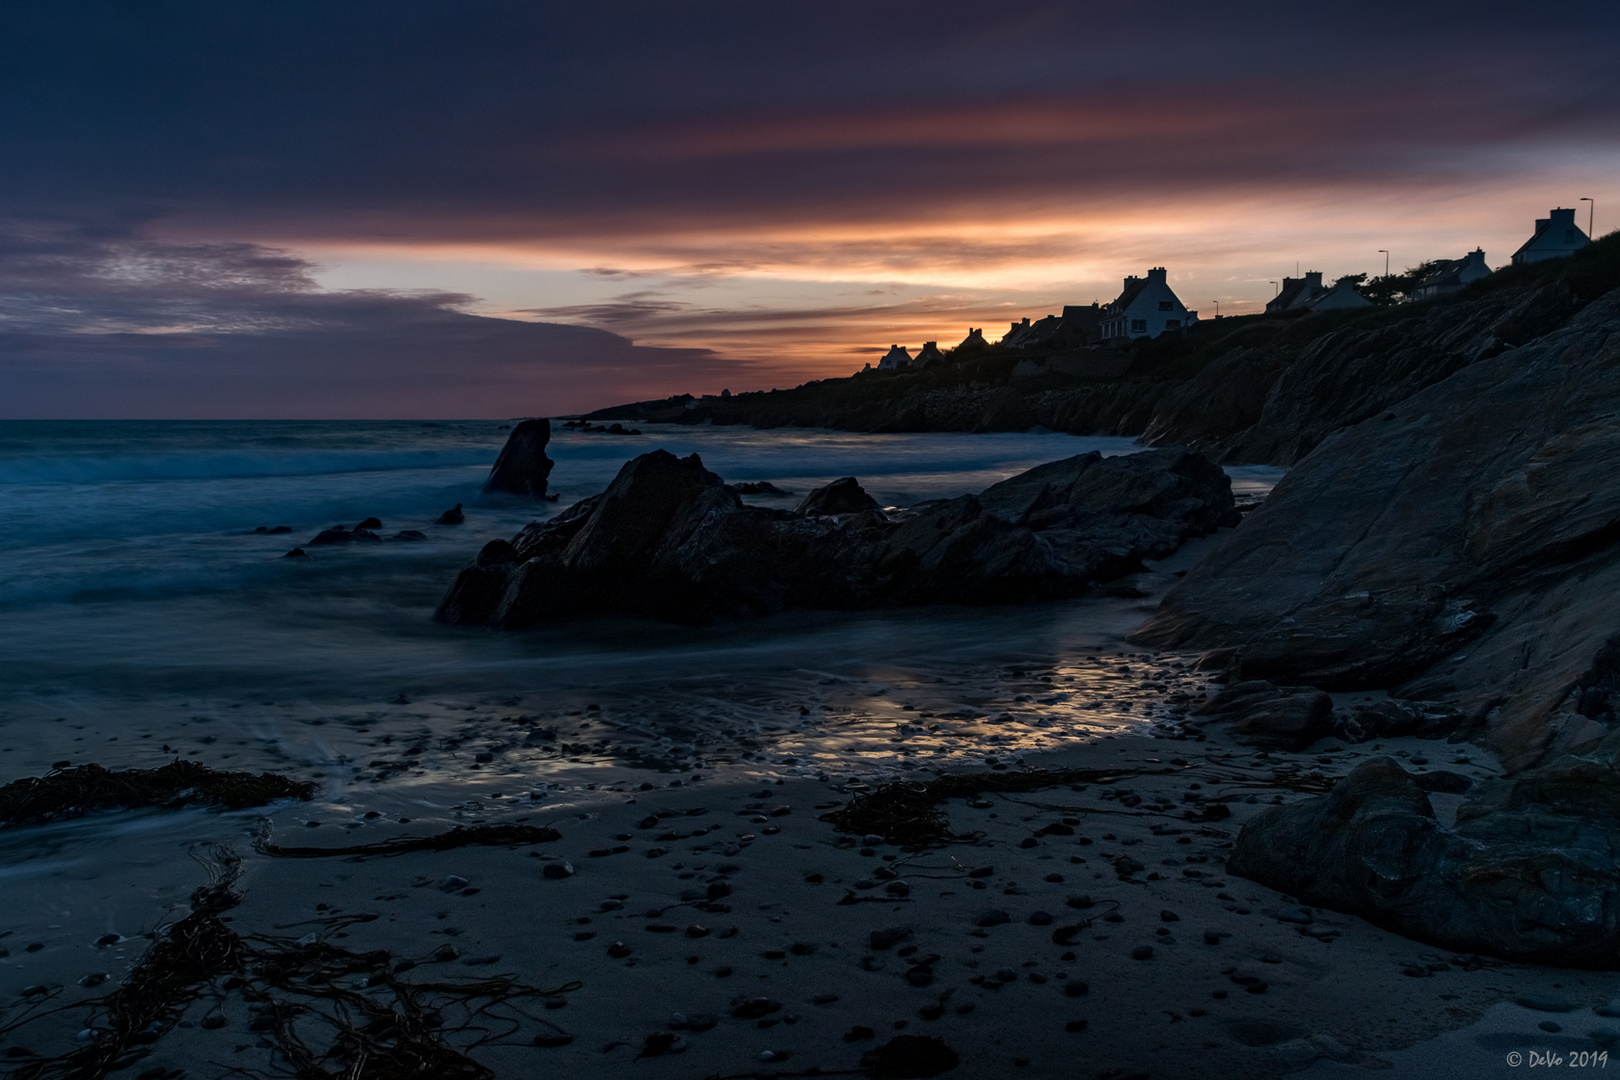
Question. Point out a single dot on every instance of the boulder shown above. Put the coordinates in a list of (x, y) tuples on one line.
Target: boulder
[(1275, 717), (523, 467), (1460, 547), (452, 516), (669, 539), (844, 496), (1528, 874)]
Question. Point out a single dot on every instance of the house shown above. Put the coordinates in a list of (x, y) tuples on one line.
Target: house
[(1556, 237), (1450, 275), (928, 354), (895, 359), (974, 342), (1146, 308), (1343, 295), (1297, 293)]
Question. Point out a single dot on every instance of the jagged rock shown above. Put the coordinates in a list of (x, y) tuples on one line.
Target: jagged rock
[(844, 496), (337, 534), (1395, 718), (1275, 717), (523, 467), (668, 539), (452, 516), (1527, 875), (1459, 547)]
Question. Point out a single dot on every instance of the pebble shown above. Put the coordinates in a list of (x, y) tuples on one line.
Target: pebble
[(1076, 988), (1292, 913), (1142, 952), (557, 870), (992, 917), (1040, 918), (1169, 916)]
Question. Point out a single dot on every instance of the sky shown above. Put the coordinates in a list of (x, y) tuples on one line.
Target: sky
[(471, 209)]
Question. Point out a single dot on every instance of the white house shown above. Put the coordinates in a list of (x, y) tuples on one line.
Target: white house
[(1146, 308), (1297, 293), (895, 359), (1556, 236), (1342, 295), (1451, 275)]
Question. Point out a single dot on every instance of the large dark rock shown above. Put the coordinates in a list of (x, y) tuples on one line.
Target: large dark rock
[(1275, 717), (845, 496), (668, 539), (523, 467), (1528, 874), (1462, 547)]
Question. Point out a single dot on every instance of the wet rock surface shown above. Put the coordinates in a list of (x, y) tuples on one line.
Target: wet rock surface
[(669, 540), (1460, 547), (1527, 874), (523, 467)]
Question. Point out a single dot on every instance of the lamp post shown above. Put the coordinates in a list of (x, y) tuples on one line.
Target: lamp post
[(1385, 254), (1279, 289), (1217, 308), (1591, 212)]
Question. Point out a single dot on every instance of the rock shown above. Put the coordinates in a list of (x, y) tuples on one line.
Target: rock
[(337, 534), (1275, 717), (1527, 875), (558, 870), (1142, 952), (667, 539), (844, 496), (296, 553), (522, 468), (1457, 547), (1545, 1003), (1040, 918), (887, 938), (993, 917), (909, 1057), (758, 487), (754, 1008), (452, 516), (1440, 780), (410, 535), (1395, 718), (369, 523)]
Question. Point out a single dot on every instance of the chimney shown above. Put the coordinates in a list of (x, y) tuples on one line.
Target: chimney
[(1563, 216), (1313, 279), (1542, 223), (1157, 273)]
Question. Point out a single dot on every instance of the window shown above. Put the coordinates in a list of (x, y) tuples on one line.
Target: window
[(1138, 326), (1172, 324), (1165, 305)]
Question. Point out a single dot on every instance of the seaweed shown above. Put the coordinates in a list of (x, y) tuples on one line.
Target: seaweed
[(907, 812), (74, 792), (460, 836), (321, 1021)]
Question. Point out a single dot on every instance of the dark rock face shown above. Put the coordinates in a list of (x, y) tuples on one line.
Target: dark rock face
[(452, 516), (1275, 717), (1463, 546), (844, 496), (523, 467), (1528, 874), (667, 539)]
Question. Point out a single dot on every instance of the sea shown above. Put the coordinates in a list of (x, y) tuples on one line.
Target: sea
[(150, 613)]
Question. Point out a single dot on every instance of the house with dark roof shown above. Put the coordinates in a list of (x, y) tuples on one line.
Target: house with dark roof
[(1450, 275), (1146, 307), (928, 354), (974, 341), (1297, 293), (1556, 237), (895, 359), (1342, 295)]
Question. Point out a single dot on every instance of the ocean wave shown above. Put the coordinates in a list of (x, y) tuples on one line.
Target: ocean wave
[(225, 465)]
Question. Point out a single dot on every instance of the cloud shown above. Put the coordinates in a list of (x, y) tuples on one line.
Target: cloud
[(97, 327)]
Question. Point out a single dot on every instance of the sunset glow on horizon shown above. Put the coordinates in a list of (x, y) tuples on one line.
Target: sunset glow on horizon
[(747, 199)]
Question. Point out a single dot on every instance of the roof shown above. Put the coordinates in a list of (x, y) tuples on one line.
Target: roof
[(1133, 289)]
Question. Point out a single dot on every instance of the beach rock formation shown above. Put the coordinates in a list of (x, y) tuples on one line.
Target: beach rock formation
[(1528, 874), (668, 539), (523, 467), (1275, 717), (1461, 547)]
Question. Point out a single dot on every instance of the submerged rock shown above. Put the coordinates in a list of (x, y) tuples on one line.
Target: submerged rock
[(668, 539), (1528, 874), (452, 516), (523, 467)]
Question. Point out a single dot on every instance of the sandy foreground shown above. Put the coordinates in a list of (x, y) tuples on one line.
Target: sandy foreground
[(742, 935)]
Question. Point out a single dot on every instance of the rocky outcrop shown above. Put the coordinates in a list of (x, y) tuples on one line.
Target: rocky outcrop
[(843, 496), (668, 539), (1528, 873), (1462, 546), (1270, 716), (523, 467)]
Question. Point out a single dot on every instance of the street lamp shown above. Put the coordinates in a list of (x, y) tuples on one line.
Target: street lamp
[(1279, 289), (1217, 309), (1591, 212), (1385, 254)]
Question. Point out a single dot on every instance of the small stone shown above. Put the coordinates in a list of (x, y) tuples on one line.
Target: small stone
[(557, 870), (1142, 952), (1550, 1025), (1169, 916), (1076, 988), (1040, 918), (992, 917)]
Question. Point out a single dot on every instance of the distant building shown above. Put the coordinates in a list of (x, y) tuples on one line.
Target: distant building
[(1297, 293), (1450, 275), (973, 342), (1556, 237), (1147, 307), (1343, 295), (895, 359), (928, 354)]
